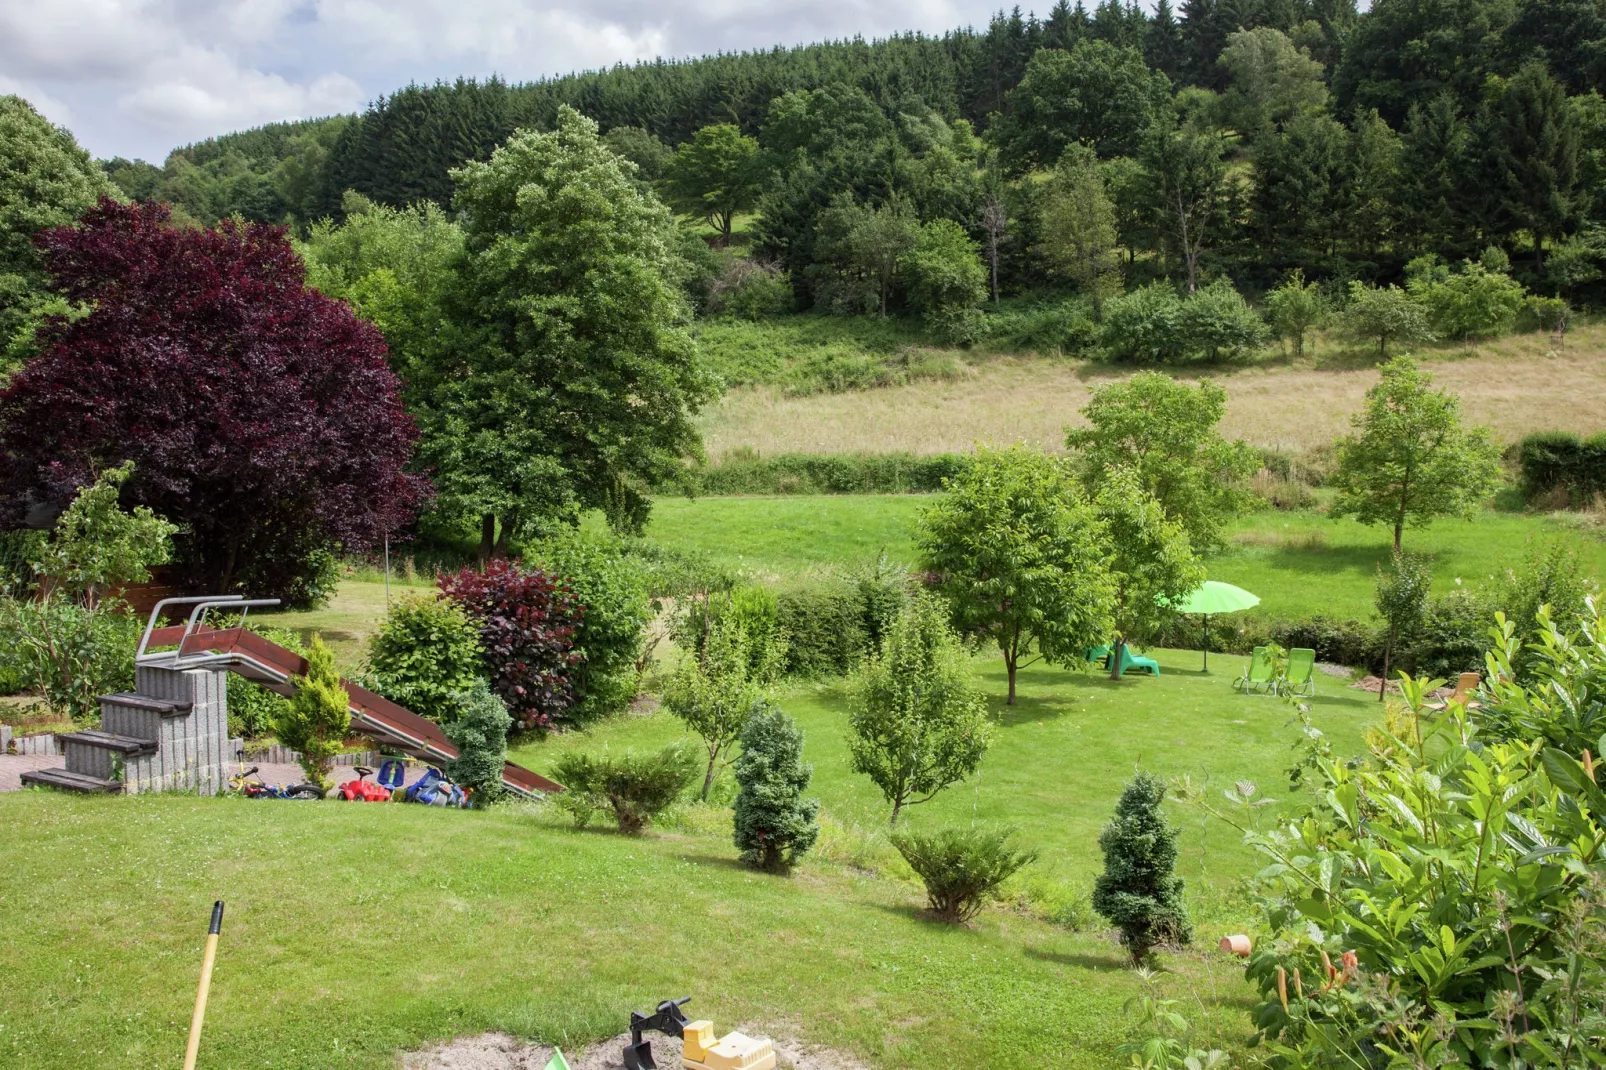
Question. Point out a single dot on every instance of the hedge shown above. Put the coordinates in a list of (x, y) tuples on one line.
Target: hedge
[(745, 472), (1553, 460)]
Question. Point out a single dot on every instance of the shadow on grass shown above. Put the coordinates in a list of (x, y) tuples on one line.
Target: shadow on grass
[(1081, 960), (726, 862)]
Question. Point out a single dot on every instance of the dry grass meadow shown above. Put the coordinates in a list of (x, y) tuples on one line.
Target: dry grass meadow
[(1514, 385)]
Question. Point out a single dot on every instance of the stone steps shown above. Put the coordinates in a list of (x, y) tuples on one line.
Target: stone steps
[(69, 781)]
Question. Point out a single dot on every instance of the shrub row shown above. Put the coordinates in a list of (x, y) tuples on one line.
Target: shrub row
[(745, 472), (1558, 460), (1452, 638)]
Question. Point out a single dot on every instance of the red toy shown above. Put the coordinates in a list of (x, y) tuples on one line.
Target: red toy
[(361, 789)]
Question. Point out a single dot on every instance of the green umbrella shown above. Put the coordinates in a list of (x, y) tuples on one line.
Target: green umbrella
[(1213, 596)]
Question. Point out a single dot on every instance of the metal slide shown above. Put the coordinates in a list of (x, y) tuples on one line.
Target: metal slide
[(196, 646)]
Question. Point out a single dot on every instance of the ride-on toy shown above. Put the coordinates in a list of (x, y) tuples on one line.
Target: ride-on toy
[(700, 1050), (433, 789), (258, 790), (362, 789)]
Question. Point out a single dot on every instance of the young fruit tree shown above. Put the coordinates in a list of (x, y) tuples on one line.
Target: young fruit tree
[(97, 547), (774, 824), (1402, 601), (1138, 892), (1151, 564), (261, 416), (916, 724), (717, 691), (316, 719), (1018, 555), (1410, 459), (1168, 433)]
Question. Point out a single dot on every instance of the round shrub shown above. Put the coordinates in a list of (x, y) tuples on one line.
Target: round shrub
[(635, 788), (961, 867), (527, 620), (613, 588), (426, 654)]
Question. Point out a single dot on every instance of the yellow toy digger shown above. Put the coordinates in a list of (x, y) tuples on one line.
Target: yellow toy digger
[(700, 1049)]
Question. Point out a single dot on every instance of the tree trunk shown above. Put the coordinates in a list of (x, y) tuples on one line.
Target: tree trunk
[(897, 808), (1010, 665), (1399, 531), (1116, 653), (995, 272), (708, 777), (487, 536)]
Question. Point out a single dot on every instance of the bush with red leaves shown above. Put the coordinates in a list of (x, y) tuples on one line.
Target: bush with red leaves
[(527, 619), (261, 416)]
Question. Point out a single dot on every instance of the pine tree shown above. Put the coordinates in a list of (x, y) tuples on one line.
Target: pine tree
[(1535, 136), (1138, 892), (480, 733), (775, 825), (1162, 42)]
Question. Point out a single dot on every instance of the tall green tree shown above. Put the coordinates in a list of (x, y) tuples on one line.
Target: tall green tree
[(1188, 188), (1270, 80), (1536, 156), (1079, 233), (943, 270), (1436, 196), (1019, 557), (1409, 459), (566, 376), (714, 176), (1401, 597), (917, 725), (1167, 434), (1151, 564), (46, 180), (1097, 92)]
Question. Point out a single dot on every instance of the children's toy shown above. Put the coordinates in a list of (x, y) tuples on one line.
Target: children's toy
[(557, 1062), (392, 773), (242, 784), (433, 789), (362, 789), (700, 1049)]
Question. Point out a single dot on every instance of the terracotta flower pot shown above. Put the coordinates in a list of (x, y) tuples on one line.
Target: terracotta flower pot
[(1239, 945)]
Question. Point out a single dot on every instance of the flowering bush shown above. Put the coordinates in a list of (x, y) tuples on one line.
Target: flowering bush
[(527, 621)]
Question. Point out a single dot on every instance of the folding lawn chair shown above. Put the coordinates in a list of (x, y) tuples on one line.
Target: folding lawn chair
[(1301, 678), (1132, 661), (1258, 674)]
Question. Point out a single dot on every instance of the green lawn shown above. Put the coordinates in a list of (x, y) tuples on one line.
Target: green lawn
[(1299, 563)]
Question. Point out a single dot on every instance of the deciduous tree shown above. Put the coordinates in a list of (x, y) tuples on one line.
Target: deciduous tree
[(1151, 564), (714, 175), (1410, 460), (261, 416), (1078, 231), (1019, 555)]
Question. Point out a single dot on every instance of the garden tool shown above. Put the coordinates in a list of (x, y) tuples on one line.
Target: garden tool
[(667, 1020), (194, 1046)]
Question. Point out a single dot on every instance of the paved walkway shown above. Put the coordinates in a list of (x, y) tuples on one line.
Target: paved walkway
[(12, 766)]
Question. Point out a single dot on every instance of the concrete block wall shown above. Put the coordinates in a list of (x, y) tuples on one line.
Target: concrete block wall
[(193, 751)]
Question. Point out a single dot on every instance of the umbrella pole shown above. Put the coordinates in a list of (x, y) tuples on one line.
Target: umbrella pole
[(1207, 643)]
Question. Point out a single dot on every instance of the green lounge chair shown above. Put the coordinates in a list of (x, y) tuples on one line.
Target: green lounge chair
[(1132, 661), (1301, 678), (1097, 653), (1258, 674)]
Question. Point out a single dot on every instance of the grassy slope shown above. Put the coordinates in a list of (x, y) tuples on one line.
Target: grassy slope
[(356, 930), (1299, 563), (1062, 754), (1515, 385)]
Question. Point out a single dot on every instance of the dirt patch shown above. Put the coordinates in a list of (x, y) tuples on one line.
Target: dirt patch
[(1369, 683), (498, 1051)]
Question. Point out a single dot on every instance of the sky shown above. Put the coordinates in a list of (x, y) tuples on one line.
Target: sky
[(137, 78)]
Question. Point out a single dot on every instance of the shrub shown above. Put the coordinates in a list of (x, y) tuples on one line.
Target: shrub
[(1138, 892), (1218, 323), (1550, 574), (943, 272), (1296, 308), (479, 729), (1436, 897), (1475, 302), (253, 709), (315, 721), (613, 587), (1453, 636), (69, 653), (774, 824), (749, 289), (1383, 316), (635, 787), (824, 625), (97, 546), (917, 724), (527, 621), (1145, 326), (425, 654), (961, 867), (746, 472), (1062, 329), (1401, 599), (1560, 459), (1543, 314)]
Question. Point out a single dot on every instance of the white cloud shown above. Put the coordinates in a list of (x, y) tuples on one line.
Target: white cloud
[(137, 77)]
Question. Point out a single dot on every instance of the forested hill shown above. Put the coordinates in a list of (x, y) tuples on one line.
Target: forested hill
[(1366, 137)]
